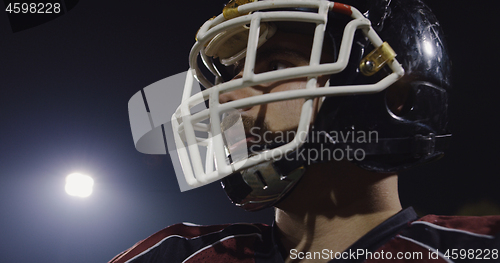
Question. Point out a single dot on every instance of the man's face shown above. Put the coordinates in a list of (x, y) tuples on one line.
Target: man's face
[(283, 50)]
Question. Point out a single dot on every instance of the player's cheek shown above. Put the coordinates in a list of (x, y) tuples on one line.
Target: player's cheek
[(284, 115)]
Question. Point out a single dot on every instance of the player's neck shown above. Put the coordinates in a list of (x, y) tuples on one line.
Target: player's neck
[(332, 211)]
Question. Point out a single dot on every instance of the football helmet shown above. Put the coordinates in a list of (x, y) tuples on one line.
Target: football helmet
[(380, 48)]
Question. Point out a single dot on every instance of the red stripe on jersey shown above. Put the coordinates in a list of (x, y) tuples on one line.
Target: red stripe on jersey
[(173, 230), (232, 250), (484, 225)]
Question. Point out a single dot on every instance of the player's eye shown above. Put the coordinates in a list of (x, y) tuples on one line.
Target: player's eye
[(277, 65), (272, 65)]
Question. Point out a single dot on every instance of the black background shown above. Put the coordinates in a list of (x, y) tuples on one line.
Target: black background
[(64, 89)]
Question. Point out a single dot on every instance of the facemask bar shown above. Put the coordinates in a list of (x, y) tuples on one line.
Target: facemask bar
[(185, 123)]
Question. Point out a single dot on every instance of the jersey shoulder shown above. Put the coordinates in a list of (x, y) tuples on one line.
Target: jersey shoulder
[(435, 237), (186, 242), (472, 225)]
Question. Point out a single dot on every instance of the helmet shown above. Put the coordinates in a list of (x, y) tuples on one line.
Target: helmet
[(364, 38)]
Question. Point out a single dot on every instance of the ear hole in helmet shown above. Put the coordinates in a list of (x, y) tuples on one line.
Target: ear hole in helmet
[(400, 98)]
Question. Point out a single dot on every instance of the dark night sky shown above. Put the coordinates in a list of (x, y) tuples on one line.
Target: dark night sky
[(64, 89)]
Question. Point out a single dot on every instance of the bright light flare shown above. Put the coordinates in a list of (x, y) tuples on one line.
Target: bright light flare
[(79, 185), (428, 48)]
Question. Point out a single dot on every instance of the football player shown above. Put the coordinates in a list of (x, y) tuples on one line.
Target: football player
[(313, 107)]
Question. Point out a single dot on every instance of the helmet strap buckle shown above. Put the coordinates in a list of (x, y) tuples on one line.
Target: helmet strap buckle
[(424, 145)]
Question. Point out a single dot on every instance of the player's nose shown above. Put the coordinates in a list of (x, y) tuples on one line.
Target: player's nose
[(238, 94)]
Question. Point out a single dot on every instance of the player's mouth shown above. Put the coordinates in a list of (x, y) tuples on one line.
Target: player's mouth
[(243, 146)]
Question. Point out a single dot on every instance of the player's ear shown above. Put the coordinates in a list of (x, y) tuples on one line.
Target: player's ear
[(399, 98)]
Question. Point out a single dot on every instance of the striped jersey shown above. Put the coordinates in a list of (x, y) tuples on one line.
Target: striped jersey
[(401, 238)]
